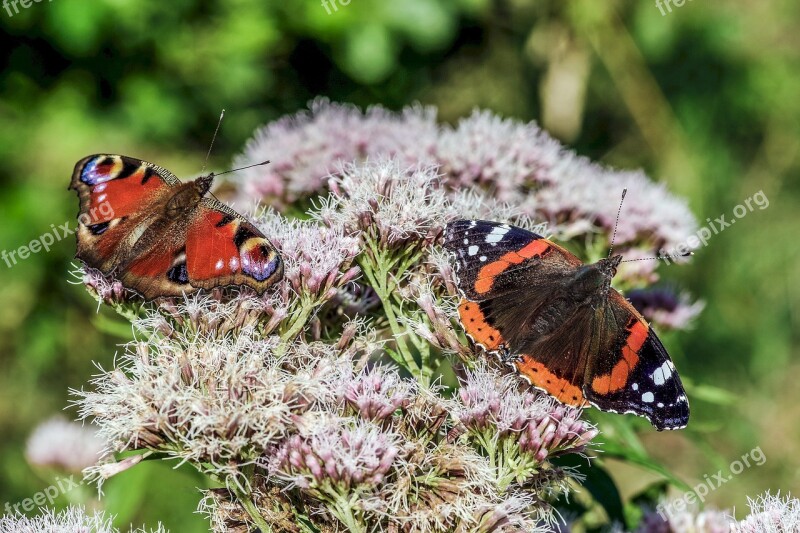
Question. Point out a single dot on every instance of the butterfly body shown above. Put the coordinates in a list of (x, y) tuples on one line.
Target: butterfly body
[(561, 324), (163, 237)]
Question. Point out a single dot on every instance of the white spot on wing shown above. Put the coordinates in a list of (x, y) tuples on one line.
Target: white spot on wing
[(220, 263), (648, 397), (635, 386), (496, 235), (662, 374), (472, 250), (482, 258)]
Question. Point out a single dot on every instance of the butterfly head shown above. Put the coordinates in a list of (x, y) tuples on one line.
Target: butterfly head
[(594, 280), (203, 184), (608, 266)]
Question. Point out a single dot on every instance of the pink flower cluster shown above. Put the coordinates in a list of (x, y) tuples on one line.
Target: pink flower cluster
[(506, 160)]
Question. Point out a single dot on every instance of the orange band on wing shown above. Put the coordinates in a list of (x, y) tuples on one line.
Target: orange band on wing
[(486, 275), (476, 326), (542, 378), (618, 377)]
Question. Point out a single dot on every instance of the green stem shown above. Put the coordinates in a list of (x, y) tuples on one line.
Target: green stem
[(380, 284), (298, 323), (255, 515), (339, 506), (342, 509)]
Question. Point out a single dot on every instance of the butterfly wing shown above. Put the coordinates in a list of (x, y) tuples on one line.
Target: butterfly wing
[(223, 248), (492, 258), (511, 280), (117, 195), (633, 372)]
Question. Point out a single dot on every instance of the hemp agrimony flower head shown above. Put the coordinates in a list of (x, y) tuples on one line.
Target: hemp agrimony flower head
[(771, 514), (664, 307), (393, 205), (470, 155), (493, 409), (209, 400), (70, 520), (63, 445), (317, 259), (510, 161), (338, 458), (103, 288), (306, 147), (376, 393)]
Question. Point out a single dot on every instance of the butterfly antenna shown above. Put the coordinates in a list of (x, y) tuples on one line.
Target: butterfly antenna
[(616, 222), (214, 138), (666, 257), (243, 168), (214, 175)]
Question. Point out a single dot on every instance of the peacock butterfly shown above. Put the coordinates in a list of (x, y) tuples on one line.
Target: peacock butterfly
[(162, 237)]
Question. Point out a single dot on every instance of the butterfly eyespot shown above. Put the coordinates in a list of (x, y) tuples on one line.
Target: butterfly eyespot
[(98, 229), (178, 274)]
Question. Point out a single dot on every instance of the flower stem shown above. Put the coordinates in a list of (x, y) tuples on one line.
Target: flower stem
[(298, 323), (255, 515), (376, 269)]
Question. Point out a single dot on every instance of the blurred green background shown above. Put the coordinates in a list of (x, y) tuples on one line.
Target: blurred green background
[(705, 99)]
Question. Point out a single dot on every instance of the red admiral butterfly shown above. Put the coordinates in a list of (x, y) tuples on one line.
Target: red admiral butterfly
[(561, 324), (161, 237)]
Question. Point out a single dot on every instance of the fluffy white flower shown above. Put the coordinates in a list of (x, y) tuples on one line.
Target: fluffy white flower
[(59, 443)]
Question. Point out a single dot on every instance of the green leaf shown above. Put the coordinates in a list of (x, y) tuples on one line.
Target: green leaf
[(616, 451), (712, 394), (124, 493)]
